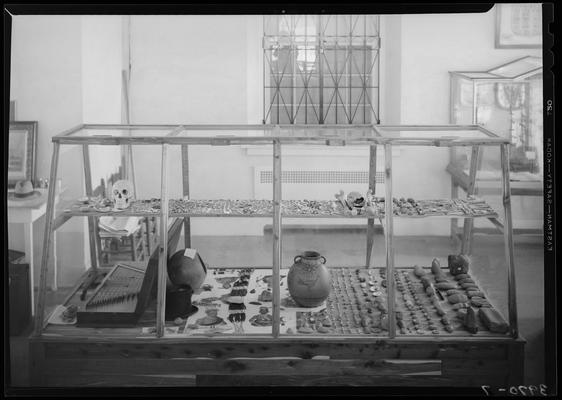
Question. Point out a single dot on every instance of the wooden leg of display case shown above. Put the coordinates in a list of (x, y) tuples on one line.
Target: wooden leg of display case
[(276, 238), (30, 257), (371, 221), (187, 232), (185, 182), (93, 229), (55, 285), (454, 195), (163, 253), (516, 359), (389, 233), (132, 169), (466, 247), (47, 244), (454, 221), (36, 368), (508, 241), (370, 241)]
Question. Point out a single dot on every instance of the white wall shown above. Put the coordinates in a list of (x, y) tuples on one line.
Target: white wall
[(46, 84), (193, 69), (46, 77), (391, 63), (432, 45), (66, 70), (102, 63)]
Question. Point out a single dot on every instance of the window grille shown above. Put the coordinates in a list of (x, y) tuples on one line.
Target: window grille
[(321, 69)]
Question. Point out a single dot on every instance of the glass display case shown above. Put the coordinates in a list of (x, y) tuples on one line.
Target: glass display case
[(508, 101), (268, 301)]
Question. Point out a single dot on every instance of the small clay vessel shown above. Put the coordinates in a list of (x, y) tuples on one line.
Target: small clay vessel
[(458, 264), (309, 280)]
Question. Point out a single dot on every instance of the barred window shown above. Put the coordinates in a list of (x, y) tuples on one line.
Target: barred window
[(321, 69)]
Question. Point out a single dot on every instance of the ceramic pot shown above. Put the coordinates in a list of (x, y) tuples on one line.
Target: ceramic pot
[(186, 270), (178, 302), (458, 264), (309, 280)]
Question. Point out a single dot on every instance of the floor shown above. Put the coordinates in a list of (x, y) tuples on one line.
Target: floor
[(349, 249)]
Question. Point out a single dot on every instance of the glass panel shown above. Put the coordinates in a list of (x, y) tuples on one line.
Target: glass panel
[(109, 164), (224, 133), (488, 259), (437, 281), (117, 222), (428, 133), (535, 124), (518, 67), (231, 231), (320, 132), (477, 75), (462, 101), (119, 132), (342, 133), (326, 289), (70, 185)]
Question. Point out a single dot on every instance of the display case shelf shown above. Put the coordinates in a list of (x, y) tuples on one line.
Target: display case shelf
[(456, 208)]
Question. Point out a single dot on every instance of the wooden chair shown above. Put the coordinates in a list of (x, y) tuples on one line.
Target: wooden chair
[(136, 246), (130, 247)]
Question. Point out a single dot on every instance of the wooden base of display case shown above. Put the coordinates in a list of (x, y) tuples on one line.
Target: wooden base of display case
[(327, 361)]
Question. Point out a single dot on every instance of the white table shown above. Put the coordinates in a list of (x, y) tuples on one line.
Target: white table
[(26, 212)]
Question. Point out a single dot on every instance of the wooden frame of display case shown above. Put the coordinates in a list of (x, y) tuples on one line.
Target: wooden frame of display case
[(117, 356)]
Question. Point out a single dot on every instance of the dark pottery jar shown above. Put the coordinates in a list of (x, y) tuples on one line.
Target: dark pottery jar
[(178, 302), (309, 280)]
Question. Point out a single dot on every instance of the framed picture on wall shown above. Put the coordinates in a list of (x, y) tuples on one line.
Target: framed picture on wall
[(519, 25), (22, 142)]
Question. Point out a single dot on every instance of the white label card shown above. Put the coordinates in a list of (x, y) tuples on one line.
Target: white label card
[(190, 253)]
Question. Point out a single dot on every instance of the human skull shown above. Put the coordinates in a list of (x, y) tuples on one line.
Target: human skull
[(122, 193)]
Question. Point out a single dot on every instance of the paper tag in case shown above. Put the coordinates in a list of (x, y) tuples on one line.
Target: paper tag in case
[(190, 253)]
